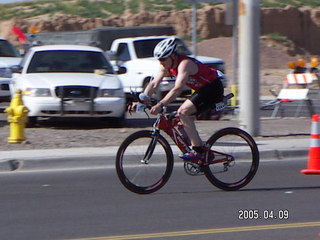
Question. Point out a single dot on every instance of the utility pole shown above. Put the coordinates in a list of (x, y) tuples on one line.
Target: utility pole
[(249, 65), (194, 20), (194, 28), (235, 52)]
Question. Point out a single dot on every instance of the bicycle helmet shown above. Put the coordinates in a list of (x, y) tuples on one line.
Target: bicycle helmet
[(165, 48)]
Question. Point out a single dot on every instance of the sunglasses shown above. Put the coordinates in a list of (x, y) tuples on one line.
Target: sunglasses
[(163, 59)]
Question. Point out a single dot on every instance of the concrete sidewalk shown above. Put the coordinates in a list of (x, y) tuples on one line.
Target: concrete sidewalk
[(272, 149)]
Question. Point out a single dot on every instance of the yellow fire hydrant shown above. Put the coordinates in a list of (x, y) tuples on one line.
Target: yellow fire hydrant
[(17, 117)]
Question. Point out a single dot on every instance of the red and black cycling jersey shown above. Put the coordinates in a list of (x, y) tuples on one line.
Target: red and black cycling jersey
[(204, 76)]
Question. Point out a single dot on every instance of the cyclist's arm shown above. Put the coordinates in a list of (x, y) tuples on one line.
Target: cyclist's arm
[(155, 82), (185, 69)]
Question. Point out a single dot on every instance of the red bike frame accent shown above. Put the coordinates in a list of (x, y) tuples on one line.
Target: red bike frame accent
[(169, 126)]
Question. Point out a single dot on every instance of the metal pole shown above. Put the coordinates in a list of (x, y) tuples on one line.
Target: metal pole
[(235, 42), (194, 27), (249, 31)]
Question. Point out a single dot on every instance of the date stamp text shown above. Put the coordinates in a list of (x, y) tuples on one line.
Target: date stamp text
[(255, 214)]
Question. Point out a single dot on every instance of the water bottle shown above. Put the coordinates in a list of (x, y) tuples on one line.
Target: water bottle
[(140, 108)]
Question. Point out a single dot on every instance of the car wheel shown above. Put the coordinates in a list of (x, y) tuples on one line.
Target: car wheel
[(32, 122), (116, 121)]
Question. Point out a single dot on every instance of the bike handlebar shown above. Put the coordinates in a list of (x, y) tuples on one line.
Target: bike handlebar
[(143, 105)]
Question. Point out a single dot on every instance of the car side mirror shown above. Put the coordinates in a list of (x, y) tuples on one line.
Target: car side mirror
[(121, 70), (16, 69), (112, 55)]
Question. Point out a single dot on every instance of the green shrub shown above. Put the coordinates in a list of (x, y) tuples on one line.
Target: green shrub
[(284, 3), (134, 5), (277, 37), (104, 8)]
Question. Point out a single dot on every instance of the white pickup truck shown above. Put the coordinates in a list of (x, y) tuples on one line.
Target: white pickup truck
[(136, 55)]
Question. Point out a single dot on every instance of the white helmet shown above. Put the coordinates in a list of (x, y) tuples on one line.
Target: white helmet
[(165, 48)]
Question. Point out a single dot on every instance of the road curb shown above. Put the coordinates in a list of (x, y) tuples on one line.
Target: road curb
[(56, 158), (283, 154), (99, 157)]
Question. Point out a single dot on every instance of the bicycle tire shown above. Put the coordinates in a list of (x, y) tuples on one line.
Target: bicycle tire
[(137, 175), (240, 171), (269, 105)]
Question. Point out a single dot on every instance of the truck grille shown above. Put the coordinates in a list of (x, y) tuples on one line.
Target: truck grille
[(76, 92)]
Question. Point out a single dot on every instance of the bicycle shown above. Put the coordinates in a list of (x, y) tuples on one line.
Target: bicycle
[(271, 104), (145, 159)]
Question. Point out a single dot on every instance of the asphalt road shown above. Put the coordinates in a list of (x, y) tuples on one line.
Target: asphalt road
[(83, 204)]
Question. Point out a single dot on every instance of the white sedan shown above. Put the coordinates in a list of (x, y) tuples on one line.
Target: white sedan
[(9, 56), (69, 81)]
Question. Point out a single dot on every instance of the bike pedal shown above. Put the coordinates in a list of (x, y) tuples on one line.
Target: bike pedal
[(193, 169)]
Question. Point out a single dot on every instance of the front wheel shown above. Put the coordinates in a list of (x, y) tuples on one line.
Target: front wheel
[(144, 162), (236, 159)]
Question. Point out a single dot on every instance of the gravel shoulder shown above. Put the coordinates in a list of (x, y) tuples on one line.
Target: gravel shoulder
[(76, 134)]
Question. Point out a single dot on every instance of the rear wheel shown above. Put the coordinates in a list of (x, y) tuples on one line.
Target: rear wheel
[(236, 159)]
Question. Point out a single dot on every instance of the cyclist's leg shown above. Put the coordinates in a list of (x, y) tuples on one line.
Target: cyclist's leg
[(187, 113), (208, 96), (199, 101)]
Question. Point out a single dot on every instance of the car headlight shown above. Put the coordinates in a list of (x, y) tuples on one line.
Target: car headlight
[(5, 73), (37, 92), (111, 93)]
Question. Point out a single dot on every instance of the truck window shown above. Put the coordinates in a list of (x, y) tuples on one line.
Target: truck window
[(123, 52), (7, 50), (182, 48), (144, 48)]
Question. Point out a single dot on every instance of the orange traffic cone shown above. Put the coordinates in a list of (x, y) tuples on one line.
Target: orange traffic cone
[(314, 150)]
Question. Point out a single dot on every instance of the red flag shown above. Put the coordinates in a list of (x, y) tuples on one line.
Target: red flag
[(21, 36)]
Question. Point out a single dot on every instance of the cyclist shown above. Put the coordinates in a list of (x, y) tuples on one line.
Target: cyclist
[(205, 81)]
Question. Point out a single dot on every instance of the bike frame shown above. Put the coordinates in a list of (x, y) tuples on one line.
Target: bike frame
[(168, 123)]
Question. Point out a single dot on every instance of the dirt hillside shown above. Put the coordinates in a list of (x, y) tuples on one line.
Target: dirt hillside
[(274, 58), (273, 55)]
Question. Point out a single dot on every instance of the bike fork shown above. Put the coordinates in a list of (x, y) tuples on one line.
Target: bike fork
[(151, 147)]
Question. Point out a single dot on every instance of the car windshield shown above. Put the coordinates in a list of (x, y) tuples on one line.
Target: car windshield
[(144, 48), (7, 50), (68, 61)]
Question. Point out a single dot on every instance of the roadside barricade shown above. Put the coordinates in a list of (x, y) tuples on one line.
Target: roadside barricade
[(297, 90)]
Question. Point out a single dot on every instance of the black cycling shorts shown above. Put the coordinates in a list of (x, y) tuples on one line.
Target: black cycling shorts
[(206, 97)]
